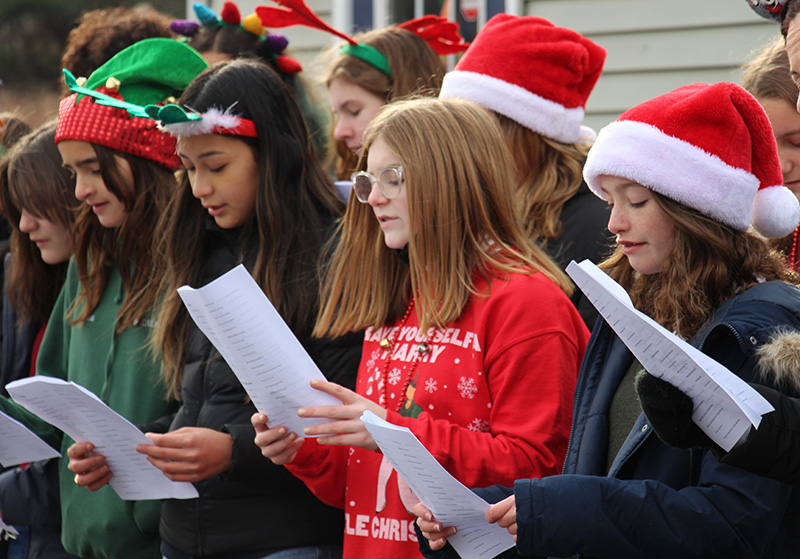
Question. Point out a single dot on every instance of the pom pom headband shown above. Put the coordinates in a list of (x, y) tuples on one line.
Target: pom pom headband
[(229, 15), (440, 34)]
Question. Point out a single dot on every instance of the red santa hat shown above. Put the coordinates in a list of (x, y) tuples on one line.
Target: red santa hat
[(530, 71), (709, 147)]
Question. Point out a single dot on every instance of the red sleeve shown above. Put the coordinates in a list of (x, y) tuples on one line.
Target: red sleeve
[(533, 354), (323, 469)]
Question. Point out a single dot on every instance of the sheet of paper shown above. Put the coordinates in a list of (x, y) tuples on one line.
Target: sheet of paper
[(448, 499), (18, 444), (86, 418), (725, 405), (8, 532), (259, 347)]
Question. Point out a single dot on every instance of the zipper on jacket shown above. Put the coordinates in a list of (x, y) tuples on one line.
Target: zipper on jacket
[(579, 390)]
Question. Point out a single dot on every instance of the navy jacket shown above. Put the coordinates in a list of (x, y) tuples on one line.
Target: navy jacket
[(28, 497), (657, 501)]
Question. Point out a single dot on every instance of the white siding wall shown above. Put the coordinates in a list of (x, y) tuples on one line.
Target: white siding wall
[(657, 45), (654, 45)]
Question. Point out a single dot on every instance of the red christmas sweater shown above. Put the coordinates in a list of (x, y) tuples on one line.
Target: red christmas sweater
[(491, 400)]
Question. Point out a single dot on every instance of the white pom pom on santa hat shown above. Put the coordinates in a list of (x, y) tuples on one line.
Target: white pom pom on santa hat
[(776, 211)]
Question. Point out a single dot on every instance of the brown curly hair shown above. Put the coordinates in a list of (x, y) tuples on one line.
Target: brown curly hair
[(100, 34), (710, 263)]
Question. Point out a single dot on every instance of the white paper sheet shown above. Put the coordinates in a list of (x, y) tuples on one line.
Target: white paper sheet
[(724, 405), (259, 347), (86, 418), (18, 444), (8, 532), (449, 500)]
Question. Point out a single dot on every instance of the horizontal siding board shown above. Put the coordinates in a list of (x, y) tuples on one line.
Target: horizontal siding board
[(616, 94), (657, 45), (684, 49), (613, 16)]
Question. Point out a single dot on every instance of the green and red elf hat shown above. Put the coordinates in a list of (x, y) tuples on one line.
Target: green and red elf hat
[(440, 34), (230, 15), (107, 109)]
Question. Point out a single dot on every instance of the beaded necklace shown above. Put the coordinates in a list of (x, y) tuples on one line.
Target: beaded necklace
[(388, 345), (793, 254)]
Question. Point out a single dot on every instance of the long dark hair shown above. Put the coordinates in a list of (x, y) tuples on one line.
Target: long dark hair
[(295, 207), (36, 183)]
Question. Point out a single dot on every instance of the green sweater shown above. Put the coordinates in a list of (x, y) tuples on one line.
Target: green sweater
[(121, 372)]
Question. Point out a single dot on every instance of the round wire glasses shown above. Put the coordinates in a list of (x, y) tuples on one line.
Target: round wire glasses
[(389, 181)]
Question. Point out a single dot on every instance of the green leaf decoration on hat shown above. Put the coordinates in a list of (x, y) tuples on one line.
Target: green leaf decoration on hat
[(148, 72), (170, 114), (102, 98)]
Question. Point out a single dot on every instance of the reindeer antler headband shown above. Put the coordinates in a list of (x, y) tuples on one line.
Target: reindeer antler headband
[(440, 34)]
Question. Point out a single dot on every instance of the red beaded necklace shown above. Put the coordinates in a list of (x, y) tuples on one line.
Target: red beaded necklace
[(388, 345), (793, 254)]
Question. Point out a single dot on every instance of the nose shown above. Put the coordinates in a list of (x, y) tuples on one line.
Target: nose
[(342, 131), (201, 186), (83, 187), (376, 197), (27, 223), (786, 163), (617, 222)]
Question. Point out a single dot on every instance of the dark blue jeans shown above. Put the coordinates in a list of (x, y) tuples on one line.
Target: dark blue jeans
[(308, 552)]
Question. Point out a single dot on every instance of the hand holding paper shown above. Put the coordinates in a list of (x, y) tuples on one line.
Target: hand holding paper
[(725, 405), (451, 503), (85, 418), (268, 360)]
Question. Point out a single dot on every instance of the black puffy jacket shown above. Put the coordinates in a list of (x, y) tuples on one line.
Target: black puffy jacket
[(255, 505)]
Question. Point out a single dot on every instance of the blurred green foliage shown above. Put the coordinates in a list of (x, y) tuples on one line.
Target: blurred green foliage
[(33, 34)]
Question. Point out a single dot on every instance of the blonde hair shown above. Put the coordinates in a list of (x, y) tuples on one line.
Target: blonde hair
[(767, 74), (549, 173), (416, 69), (709, 264), (463, 220)]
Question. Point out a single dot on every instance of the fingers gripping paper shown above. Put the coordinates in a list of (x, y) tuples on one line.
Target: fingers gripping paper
[(724, 405), (259, 347)]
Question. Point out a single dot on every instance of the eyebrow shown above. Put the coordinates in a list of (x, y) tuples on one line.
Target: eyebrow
[(204, 155), (82, 163), (624, 186)]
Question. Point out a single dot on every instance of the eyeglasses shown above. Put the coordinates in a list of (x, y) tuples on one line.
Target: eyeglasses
[(389, 179)]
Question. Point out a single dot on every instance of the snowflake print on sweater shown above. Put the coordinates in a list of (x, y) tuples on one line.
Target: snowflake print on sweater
[(491, 400)]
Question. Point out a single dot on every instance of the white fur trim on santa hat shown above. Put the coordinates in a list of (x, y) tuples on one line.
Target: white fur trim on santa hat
[(541, 115), (776, 212), (677, 169)]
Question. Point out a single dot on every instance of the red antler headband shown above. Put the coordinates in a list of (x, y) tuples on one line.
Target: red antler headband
[(440, 34)]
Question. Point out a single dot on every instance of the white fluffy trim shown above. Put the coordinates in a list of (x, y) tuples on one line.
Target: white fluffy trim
[(779, 359), (213, 120), (677, 169), (776, 212), (541, 115)]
